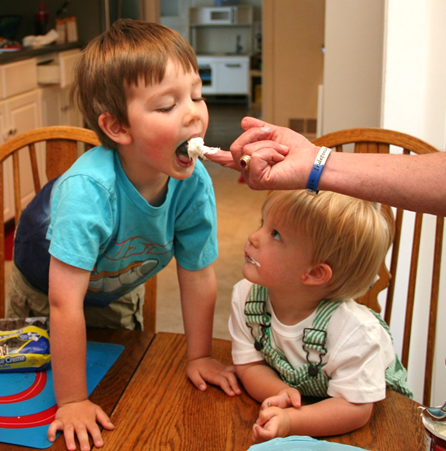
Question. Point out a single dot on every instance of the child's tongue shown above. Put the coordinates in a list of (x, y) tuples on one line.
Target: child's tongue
[(182, 154)]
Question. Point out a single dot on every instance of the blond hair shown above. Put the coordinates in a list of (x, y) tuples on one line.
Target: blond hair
[(350, 235), (131, 51)]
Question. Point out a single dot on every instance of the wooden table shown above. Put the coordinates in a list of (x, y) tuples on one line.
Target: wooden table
[(159, 409)]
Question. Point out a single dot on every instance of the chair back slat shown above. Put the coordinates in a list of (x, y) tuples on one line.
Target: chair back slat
[(34, 167), (375, 140), (17, 186), (435, 292), (394, 264), (411, 289), (61, 154)]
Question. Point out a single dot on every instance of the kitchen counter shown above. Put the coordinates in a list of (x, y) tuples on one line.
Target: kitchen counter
[(11, 57)]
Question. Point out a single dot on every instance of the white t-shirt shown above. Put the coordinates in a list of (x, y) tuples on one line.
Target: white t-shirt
[(359, 349)]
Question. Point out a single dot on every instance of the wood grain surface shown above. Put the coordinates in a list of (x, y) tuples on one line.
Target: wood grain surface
[(160, 410)]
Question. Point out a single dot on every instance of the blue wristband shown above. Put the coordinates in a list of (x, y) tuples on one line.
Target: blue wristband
[(316, 171)]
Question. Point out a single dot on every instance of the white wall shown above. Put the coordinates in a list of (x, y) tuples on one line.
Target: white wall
[(354, 31), (414, 102)]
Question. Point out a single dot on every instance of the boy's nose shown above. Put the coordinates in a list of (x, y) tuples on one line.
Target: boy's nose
[(253, 239), (192, 113)]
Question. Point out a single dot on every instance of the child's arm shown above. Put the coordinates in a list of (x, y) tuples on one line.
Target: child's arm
[(331, 416), (262, 382), (198, 294), (76, 415)]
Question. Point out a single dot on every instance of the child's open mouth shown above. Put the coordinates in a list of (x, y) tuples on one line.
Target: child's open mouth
[(251, 260), (182, 154), (193, 149)]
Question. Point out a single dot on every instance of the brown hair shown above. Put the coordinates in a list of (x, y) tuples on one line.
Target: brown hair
[(131, 51), (351, 235)]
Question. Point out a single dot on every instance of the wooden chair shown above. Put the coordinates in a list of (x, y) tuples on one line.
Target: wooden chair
[(374, 140), (61, 150)]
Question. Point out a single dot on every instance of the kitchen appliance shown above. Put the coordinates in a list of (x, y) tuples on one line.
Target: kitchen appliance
[(215, 16)]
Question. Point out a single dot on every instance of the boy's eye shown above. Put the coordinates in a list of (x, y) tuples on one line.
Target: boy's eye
[(166, 109), (276, 235), (199, 99)]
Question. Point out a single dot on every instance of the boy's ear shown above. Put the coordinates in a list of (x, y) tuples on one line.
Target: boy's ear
[(113, 129), (319, 275)]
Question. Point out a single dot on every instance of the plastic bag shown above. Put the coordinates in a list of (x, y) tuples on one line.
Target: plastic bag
[(24, 349)]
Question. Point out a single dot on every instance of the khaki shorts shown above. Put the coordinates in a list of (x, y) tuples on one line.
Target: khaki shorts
[(25, 301)]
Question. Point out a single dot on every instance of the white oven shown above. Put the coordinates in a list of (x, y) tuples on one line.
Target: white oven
[(224, 74)]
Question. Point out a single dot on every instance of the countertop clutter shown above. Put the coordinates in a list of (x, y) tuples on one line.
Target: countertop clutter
[(25, 53), (27, 34)]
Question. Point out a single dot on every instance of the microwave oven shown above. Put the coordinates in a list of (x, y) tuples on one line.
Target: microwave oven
[(216, 16)]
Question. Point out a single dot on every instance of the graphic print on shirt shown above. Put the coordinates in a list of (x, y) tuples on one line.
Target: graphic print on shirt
[(134, 273)]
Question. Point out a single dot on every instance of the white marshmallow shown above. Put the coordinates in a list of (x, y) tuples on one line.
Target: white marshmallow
[(196, 148)]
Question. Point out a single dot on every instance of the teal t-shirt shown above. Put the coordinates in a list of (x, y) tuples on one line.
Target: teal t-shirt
[(93, 218)]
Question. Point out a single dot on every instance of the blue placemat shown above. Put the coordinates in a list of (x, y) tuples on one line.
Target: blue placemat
[(301, 443), (27, 402)]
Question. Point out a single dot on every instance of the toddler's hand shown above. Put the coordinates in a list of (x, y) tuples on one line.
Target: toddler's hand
[(272, 422), (80, 419), (214, 372), (288, 397)]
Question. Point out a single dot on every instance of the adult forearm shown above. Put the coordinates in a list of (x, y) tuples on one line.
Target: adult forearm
[(282, 159), (412, 182)]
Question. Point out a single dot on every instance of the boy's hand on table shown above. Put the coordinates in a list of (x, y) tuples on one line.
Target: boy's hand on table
[(272, 422), (208, 369), (80, 419), (288, 397)]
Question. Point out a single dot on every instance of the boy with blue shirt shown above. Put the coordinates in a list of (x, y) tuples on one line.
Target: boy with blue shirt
[(90, 239)]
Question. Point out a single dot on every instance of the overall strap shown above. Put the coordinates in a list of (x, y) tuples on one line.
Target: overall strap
[(309, 378)]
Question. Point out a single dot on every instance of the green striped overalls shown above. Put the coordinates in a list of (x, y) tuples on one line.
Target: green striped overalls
[(309, 379)]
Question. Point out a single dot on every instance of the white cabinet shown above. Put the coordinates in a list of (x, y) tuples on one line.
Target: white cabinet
[(25, 106), (57, 68), (57, 108), (20, 111), (17, 77), (224, 74), (19, 114), (55, 75)]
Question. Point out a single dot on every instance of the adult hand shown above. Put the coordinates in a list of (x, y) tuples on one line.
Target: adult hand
[(280, 157)]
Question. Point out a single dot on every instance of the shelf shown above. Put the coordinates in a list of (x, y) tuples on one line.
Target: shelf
[(223, 30)]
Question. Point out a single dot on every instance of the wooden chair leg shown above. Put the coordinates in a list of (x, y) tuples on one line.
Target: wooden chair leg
[(149, 309)]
